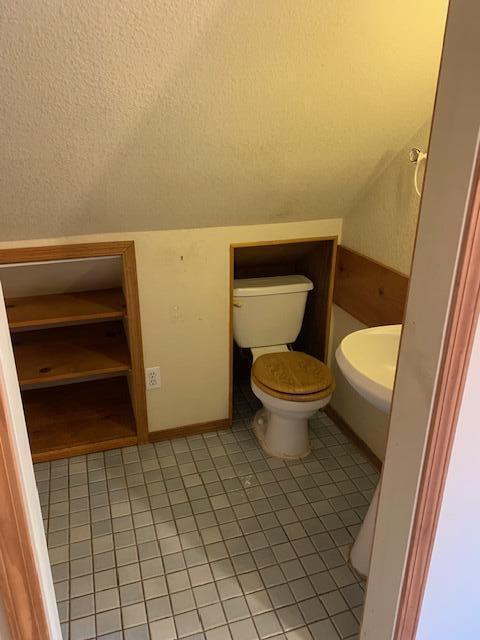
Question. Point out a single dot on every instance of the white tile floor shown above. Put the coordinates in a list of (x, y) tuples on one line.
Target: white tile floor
[(206, 537)]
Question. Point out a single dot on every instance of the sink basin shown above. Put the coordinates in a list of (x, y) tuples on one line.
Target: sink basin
[(368, 360)]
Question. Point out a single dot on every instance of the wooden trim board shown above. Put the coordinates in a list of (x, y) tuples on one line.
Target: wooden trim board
[(189, 430), (368, 290), (48, 253), (266, 243), (331, 289), (134, 334), (83, 449), (19, 580), (463, 320), (347, 430), (230, 333)]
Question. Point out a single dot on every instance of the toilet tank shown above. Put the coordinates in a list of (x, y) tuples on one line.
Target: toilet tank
[(269, 311)]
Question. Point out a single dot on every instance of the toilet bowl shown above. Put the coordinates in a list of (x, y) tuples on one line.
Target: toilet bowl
[(292, 386)]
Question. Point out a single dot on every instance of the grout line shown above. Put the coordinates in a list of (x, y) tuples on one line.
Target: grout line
[(241, 461)]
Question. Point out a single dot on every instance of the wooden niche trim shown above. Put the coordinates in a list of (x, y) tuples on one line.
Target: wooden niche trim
[(368, 290), (134, 330), (313, 257)]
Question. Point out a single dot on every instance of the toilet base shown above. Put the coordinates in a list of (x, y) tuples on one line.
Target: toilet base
[(280, 437), (281, 426)]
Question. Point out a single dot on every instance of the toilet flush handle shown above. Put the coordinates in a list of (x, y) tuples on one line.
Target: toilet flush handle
[(236, 303)]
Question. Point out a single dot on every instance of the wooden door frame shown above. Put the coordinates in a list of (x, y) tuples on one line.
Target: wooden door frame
[(460, 333), (266, 243), (20, 586), (126, 251)]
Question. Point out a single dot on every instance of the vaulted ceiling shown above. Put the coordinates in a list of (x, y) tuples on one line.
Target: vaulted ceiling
[(160, 114)]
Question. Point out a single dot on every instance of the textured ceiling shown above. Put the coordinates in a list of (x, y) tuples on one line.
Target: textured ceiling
[(160, 114)]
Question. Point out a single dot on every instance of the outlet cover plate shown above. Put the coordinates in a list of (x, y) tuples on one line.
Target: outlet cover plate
[(152, 377)]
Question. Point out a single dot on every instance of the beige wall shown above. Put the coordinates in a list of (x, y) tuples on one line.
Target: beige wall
[(382, 226), (183, 279), (189, 114), (383, 221), (132, 115)]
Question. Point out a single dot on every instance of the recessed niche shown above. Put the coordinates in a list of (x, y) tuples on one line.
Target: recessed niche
[(313, 258)]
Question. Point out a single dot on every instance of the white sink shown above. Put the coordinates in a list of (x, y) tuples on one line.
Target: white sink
[(368, 360)]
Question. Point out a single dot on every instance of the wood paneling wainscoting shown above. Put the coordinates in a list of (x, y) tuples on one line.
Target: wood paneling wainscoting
[(368, 290)]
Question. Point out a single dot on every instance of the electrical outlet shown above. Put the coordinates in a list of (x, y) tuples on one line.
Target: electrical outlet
[(152, 377)]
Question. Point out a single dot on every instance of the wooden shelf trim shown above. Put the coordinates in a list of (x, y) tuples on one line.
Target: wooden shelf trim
[(69, 353), (79, 418), (65, 308)]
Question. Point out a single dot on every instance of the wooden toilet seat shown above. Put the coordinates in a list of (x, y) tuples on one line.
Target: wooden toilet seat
[(293, 376)]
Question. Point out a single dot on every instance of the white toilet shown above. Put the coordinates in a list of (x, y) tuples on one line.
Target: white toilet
[(292, 386)]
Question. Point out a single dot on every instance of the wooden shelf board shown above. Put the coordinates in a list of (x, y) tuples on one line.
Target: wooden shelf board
[(69, 353), (65, 308), (79, 418)]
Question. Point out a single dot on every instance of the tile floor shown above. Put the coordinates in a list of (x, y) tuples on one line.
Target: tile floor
[(207, 538)]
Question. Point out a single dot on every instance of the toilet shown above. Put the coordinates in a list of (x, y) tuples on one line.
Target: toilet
[(292, 386)]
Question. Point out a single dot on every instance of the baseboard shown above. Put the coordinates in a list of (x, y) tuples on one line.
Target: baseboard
[(350, 433), (189, 430)]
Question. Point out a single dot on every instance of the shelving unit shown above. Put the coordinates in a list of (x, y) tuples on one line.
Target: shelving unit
[(78, 353), (79, 418), (71, 353), (65, 308)]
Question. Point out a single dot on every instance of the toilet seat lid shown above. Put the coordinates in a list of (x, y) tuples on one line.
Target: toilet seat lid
[(292, 373)]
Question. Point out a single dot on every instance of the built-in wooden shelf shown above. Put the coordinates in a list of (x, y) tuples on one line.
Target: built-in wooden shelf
[(78, 354), (71, 352), (65, 308), (75, 419)]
